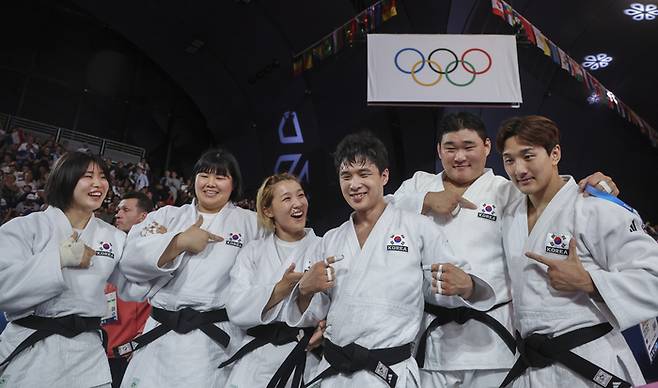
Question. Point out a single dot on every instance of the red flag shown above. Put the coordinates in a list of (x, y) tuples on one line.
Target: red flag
[(529, 30), (497, 8)]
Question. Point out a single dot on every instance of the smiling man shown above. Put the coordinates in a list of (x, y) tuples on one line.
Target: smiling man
[(580, 272), (461, 348), (377, 290)]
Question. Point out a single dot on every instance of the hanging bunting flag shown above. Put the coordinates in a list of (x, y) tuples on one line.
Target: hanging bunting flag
[(328, 47), (564, 62), (503, 10), (377, 14), (529, 30), (386, 10), (588, 81), (308, 60), (366, 21), (339, 40), (297, 65), (497, 8), (555, 55), (507, 11)]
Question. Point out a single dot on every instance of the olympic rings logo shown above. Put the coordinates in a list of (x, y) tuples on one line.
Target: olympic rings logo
[(436, 67)]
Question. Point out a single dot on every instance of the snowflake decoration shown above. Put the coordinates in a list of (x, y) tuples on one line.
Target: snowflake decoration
[(642, 12), (598, 61)]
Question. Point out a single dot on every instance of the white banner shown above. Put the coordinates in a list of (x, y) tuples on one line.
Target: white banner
[(443, 69)]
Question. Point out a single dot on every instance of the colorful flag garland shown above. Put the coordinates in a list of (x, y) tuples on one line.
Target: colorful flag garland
[(356, 28), (562, 59)]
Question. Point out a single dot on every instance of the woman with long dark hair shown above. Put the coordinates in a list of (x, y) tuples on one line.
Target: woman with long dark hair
[(53, 270)]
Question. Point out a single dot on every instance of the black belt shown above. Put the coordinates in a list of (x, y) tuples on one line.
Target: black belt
[(352, 358), (540, 351), (461, 315), (279, 334), (68, 326), (182, 322)]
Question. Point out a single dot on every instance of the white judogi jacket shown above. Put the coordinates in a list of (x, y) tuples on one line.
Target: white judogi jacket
[(32, 282), (378, 298), (622, 261), (475, 236), (257, 270), (198, 281)]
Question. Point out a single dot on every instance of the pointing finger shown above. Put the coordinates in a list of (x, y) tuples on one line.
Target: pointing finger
[(466, 204), (332, 259), (214, 238), (541, 259)]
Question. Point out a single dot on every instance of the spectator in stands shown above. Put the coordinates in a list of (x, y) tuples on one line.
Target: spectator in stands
[(141, 180), (10, 191), (130, 317), (28, 205), (29, 146)]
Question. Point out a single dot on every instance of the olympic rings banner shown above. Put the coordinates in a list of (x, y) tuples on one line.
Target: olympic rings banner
[(443, 69)]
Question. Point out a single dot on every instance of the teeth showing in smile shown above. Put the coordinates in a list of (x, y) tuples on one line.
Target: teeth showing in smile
[(297, 214), (95, 194), (358, 196)]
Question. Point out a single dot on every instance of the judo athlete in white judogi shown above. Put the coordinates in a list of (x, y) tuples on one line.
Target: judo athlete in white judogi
[(467, 200), (377, 290), (581, 269), (53, 269), (186, 254), (262, 278), (470, 353)]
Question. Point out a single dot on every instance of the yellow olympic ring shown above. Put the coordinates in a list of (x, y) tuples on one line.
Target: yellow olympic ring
[(413, 73)]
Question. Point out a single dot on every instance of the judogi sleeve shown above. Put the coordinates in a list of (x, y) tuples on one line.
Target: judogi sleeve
[(145, 244), (436, 249), (411, 193), (28, 278), (246, 299), (318, 308), (627, 279)]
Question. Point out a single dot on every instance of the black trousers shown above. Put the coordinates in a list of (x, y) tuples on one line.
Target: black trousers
[(118, 367)]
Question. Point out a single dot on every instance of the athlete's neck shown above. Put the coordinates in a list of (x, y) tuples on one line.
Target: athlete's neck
[(78, 217), (456, 186), (369, 216), (541, 198)]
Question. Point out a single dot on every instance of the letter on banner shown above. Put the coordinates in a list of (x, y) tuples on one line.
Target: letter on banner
[(297, 138), (294, 158)]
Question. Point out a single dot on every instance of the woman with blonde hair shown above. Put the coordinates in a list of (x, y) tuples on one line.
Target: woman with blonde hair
[(263, 277)]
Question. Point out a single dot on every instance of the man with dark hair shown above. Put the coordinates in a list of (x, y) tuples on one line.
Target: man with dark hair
[(126, 319), (581, 269), (477, 351), (132, 209), (377, 290)]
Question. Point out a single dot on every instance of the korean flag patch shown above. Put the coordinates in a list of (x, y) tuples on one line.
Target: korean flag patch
[(105, 249), (488, 211), (558, 243), (397, 243)]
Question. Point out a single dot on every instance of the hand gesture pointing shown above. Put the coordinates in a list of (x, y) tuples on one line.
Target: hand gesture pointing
[(566, 275), (194, 239)]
